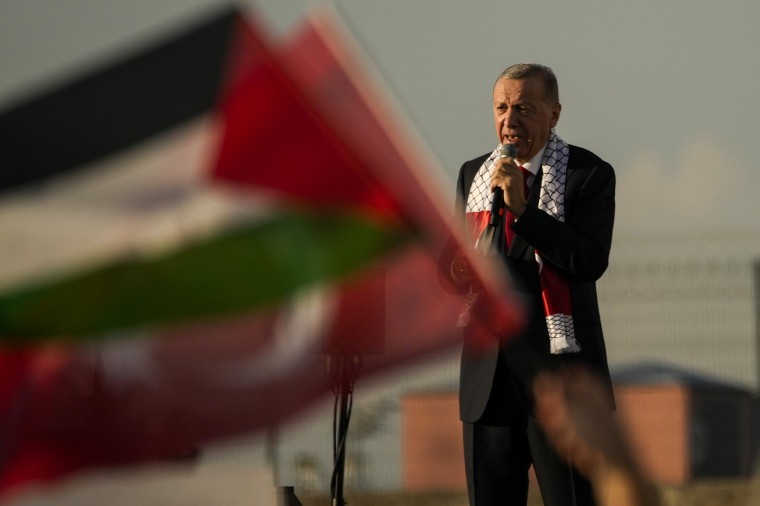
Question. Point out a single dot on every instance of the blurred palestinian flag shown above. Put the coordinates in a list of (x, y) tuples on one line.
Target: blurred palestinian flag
[(187, 233)]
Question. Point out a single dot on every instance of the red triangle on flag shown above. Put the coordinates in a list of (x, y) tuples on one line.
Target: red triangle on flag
[(275, 139)]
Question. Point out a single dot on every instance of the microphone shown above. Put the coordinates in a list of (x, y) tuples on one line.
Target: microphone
[(505, 151)]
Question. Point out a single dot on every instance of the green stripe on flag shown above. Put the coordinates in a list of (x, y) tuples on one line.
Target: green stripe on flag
[(241, 270)]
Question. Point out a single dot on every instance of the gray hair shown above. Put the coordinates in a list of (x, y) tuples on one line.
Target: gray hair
[(526, 70)]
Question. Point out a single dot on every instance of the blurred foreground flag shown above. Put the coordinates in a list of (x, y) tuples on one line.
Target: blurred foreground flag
[(187, 234)]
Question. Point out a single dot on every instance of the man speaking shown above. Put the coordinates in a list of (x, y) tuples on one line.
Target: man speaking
[(545, 209)]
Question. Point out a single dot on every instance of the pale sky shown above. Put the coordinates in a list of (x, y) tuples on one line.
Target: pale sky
[(666, 91)]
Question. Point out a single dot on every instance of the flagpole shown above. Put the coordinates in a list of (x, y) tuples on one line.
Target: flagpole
[(344, 370)]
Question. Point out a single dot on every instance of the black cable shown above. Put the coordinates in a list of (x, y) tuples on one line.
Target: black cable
[(339, 442), (344, 377)]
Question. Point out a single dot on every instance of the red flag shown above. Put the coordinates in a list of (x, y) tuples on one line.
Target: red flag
[(191, 364)]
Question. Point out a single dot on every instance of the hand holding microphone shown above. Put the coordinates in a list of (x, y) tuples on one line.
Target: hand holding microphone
[(506, 151)]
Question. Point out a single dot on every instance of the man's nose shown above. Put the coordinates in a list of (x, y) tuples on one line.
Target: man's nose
[(510, 118)]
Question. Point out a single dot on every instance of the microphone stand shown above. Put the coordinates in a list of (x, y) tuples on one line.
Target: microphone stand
[(344, 370)]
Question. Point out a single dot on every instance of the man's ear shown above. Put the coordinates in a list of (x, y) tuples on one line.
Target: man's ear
[(555, 114)]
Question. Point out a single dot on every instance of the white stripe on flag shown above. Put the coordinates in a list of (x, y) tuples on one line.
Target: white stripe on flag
[(147, 200)]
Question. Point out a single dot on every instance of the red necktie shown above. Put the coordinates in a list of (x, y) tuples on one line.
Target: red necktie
[(510, 217)]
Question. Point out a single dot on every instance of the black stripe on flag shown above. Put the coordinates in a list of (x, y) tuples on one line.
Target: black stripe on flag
[(115, 107)]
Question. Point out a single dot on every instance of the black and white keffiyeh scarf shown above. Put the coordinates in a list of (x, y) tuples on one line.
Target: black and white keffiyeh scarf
[(554, 285)]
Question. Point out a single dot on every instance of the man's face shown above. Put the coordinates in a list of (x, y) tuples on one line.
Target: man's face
[(522, 116)]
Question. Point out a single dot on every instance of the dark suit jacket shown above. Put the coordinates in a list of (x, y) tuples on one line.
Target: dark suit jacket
[(580, 248)]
